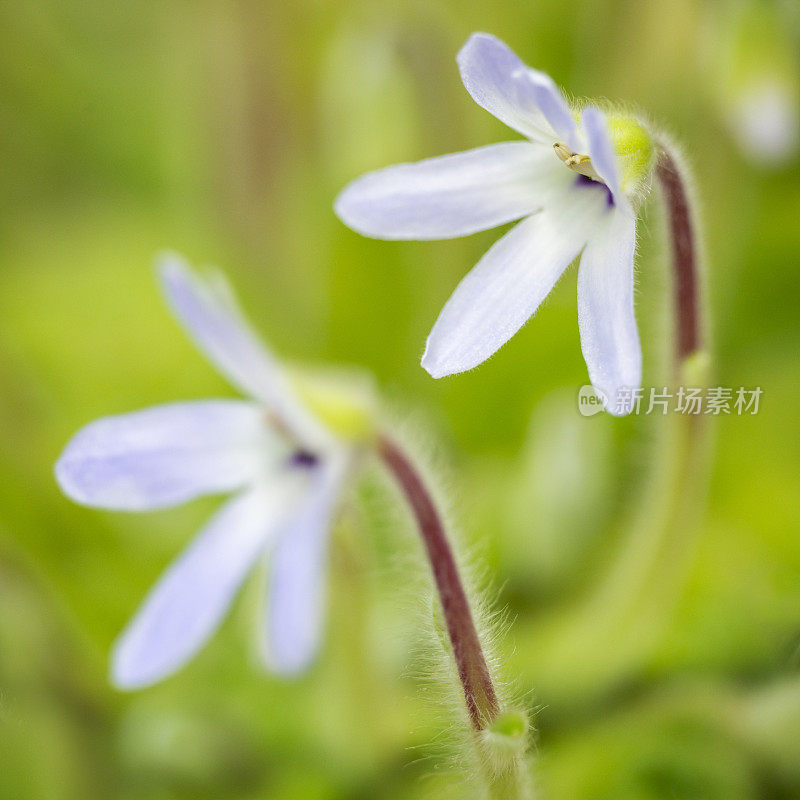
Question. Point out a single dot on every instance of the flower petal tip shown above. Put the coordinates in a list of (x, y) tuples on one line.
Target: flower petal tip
[(618, 410), (345, 206), (478, 39), (123, 682), (66, 479), (75, 475), (356, 208), (128, 673), (621, 401), (434, 367), (286, 666), (169, 263)]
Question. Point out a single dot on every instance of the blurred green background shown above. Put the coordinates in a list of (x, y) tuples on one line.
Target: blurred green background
[(224, 130)]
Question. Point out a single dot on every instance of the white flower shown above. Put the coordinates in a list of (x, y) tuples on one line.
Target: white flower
[(571, 183), (765, 119), (286, 467), (752, 66)]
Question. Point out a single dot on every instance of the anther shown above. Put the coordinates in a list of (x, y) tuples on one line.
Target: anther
[(577, 162)]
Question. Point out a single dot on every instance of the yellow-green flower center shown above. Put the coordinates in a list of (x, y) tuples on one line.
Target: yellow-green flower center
[(633, 147), (345, 408)]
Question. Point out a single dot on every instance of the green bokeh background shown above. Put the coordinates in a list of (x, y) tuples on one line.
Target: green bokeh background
[(224, 130)]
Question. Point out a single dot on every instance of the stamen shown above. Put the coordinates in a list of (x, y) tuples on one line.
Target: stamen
[(562, 151), (577, 162)]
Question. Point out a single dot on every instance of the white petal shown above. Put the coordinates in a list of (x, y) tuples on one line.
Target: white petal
[(166, 455), (209, 312), (452, 195), (609, 339), (499, 81), (554, 107), (601, 152), (297, 579), (496, 298), (188, 603)]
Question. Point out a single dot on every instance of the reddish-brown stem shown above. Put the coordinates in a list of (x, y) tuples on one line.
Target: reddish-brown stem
[(684, 254), (473, 671)]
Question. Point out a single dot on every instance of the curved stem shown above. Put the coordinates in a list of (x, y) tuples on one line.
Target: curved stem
[(620, 619), (684, 254), (473, 671)]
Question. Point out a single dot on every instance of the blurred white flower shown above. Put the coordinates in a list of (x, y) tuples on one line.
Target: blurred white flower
[(753, 70), (572, 184), (765, 119), (286, 467)]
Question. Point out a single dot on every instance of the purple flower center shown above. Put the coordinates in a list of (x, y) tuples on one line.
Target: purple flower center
[(583, 180), (303, 460)]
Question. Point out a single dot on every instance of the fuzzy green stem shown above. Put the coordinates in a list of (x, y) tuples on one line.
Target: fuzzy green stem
[(473, 671), (684, 255), (641, 588), (510, 785), (620, 621)]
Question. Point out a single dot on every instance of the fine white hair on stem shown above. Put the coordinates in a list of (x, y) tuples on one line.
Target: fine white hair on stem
[(434, 664)]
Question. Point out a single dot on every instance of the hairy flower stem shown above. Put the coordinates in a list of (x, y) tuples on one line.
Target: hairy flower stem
[(684, 255), (509, 785), (621, 620), (473, 671)]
